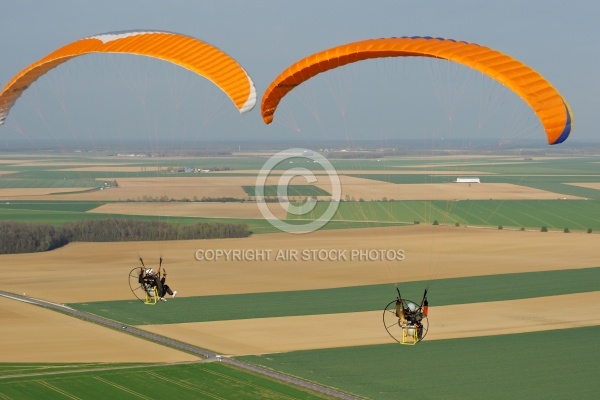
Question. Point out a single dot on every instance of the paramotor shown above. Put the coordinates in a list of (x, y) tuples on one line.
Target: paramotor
[(405, 321), (145, 284)]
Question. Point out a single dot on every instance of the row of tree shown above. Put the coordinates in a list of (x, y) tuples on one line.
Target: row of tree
[(19, 237)]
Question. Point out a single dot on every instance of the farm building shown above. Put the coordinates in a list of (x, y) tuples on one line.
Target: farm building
[(467, 180)]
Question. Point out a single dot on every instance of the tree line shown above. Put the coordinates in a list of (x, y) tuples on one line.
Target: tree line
[(20, 237)]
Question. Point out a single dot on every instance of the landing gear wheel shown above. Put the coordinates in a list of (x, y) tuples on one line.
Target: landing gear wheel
[(391, 323)]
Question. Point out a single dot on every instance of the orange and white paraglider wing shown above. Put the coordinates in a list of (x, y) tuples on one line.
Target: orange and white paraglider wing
[(547, 103), (187, 52)]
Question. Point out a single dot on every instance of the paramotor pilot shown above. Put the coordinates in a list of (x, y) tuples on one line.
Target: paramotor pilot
[(153, 283), (410, 317)]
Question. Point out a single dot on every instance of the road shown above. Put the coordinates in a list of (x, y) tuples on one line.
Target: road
[(207, 355)]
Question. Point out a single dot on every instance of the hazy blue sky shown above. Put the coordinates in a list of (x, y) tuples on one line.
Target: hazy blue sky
[(555, 37)]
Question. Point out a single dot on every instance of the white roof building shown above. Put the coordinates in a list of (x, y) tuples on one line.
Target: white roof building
[(467, 180)]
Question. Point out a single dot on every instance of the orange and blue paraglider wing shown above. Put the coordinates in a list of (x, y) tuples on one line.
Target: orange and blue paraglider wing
[(547, 103)]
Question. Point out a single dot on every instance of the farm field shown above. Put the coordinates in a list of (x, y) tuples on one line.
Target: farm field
[(206, 380), (308, 305)]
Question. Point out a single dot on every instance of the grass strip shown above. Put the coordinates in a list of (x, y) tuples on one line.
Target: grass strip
[(348, 299)]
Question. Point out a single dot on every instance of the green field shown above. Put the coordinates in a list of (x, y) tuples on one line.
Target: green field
[(30, 214), (577, 215), (292, 191), (549, 365), (348, 299), (58, 217), (559, 365), (530, 214), (38, 181), (12, 370), (183, 381)]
